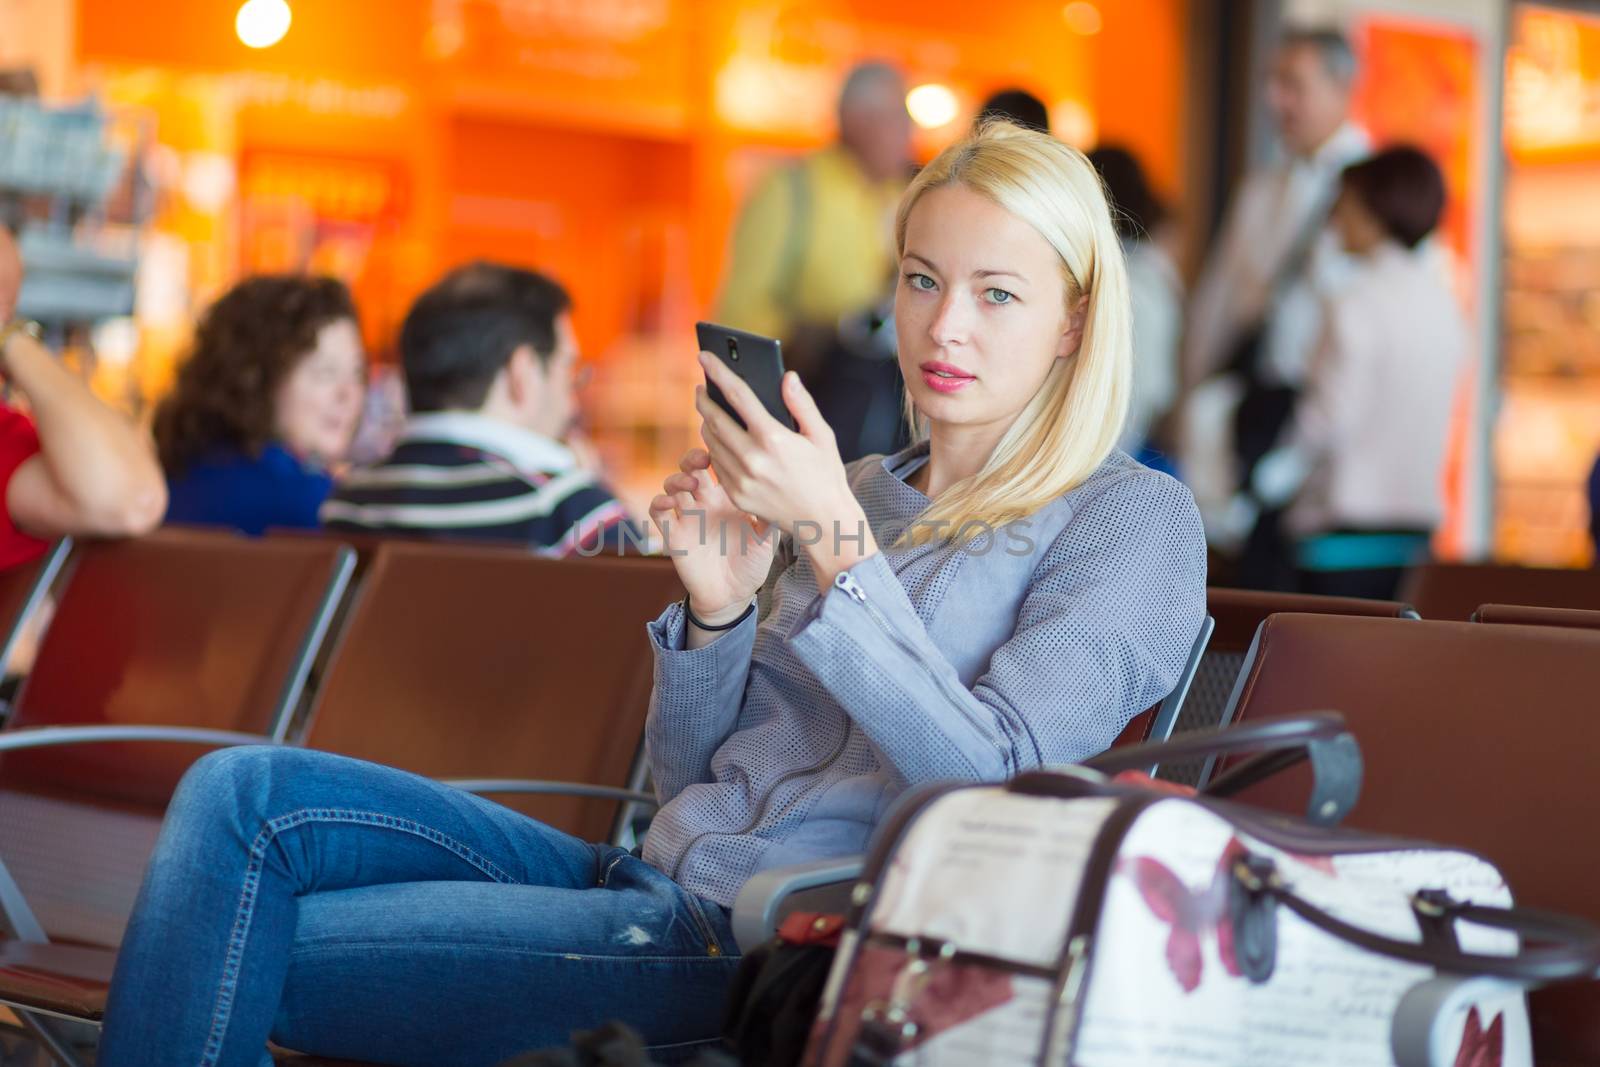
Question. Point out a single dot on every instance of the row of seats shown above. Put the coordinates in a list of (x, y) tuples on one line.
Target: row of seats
[(450, 661)]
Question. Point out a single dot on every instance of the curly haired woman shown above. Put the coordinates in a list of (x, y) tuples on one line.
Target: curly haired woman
[(269, 397)]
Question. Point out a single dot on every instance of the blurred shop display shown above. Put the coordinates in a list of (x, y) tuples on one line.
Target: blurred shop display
[(1548, 429), (67, 187)]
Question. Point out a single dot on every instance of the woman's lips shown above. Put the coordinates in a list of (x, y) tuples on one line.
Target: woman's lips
[(944, 378)]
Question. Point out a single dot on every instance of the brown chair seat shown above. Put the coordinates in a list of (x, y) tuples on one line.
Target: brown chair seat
[(70, 980), (1478, 736), (461, 661)]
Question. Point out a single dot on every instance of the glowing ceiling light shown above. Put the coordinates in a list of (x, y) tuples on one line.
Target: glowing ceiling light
[(932, 105), (262, 23), (1082, 18)]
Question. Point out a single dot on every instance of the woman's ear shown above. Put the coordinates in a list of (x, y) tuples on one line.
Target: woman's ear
[(1072, 332)]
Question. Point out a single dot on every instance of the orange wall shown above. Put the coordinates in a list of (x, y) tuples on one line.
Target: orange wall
[(610, 142), (1138, 85), (592, 209)]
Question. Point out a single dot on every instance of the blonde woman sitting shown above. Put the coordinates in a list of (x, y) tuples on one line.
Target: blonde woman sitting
[(1007, 593)]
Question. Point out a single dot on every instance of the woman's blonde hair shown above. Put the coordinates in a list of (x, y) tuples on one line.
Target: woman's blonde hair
[(1072, 424)]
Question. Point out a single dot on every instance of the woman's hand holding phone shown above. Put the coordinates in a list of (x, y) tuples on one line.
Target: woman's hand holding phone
[(784, 477), (721, 553)]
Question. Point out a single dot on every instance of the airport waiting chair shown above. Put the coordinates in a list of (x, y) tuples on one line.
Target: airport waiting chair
[(454, 660), (158, 639), (460, 660), (1477, 736), (567, 702), (1453, 591), (184, 638), (1238, 613)]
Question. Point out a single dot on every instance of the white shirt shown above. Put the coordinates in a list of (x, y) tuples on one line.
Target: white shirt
[(1156, 292), (1268, 219), (1374, 418)]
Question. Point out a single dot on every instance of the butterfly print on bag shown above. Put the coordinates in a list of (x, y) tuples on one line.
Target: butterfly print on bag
[(1480, 1047), (1190, 914)]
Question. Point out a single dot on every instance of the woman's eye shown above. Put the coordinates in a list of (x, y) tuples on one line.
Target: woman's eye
[(920, 281), (998, 296)]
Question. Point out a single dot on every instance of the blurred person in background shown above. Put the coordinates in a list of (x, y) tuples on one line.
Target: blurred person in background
[(1594, 509), (1149, 240), (1256, 314), (1360, 464), (70, 466), (812, 262), (490, 361), (1017, 106), (266, 403)]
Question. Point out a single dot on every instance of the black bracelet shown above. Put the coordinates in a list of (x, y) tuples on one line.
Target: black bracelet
[(715, 629)]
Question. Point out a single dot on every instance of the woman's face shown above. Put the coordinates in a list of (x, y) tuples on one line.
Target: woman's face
[(979, 310), (319, 404)]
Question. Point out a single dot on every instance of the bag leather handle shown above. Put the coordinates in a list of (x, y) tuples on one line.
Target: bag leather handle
[(1319, 736), (1572, 951)]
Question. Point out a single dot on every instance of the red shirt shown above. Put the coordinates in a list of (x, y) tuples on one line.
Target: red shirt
[(18, 441)]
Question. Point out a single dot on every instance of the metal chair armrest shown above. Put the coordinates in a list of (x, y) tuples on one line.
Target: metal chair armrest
[(52, 736), (539, 785), (757, 908)]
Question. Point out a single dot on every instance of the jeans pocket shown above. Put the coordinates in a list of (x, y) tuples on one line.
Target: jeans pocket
[(697, 907)]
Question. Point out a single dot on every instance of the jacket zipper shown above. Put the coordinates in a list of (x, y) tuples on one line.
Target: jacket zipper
[(850, 586)]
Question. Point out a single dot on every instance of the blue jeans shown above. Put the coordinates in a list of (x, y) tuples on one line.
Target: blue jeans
[(357, 911)]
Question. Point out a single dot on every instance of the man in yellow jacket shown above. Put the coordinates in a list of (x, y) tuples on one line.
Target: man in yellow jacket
[(815, 240)]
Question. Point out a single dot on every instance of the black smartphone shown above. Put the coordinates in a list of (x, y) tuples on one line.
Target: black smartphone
[(756, 359)]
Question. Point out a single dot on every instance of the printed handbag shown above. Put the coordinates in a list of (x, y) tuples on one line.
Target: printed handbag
[(1062, 918)]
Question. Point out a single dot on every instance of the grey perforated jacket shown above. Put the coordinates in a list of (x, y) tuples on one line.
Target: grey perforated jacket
[(786, 739)]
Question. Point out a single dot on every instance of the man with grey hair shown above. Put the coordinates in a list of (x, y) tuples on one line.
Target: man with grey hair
[(1255, 315), (814, 241)]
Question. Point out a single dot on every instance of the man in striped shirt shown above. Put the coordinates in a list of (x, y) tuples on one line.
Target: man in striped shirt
[(489, 356)]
